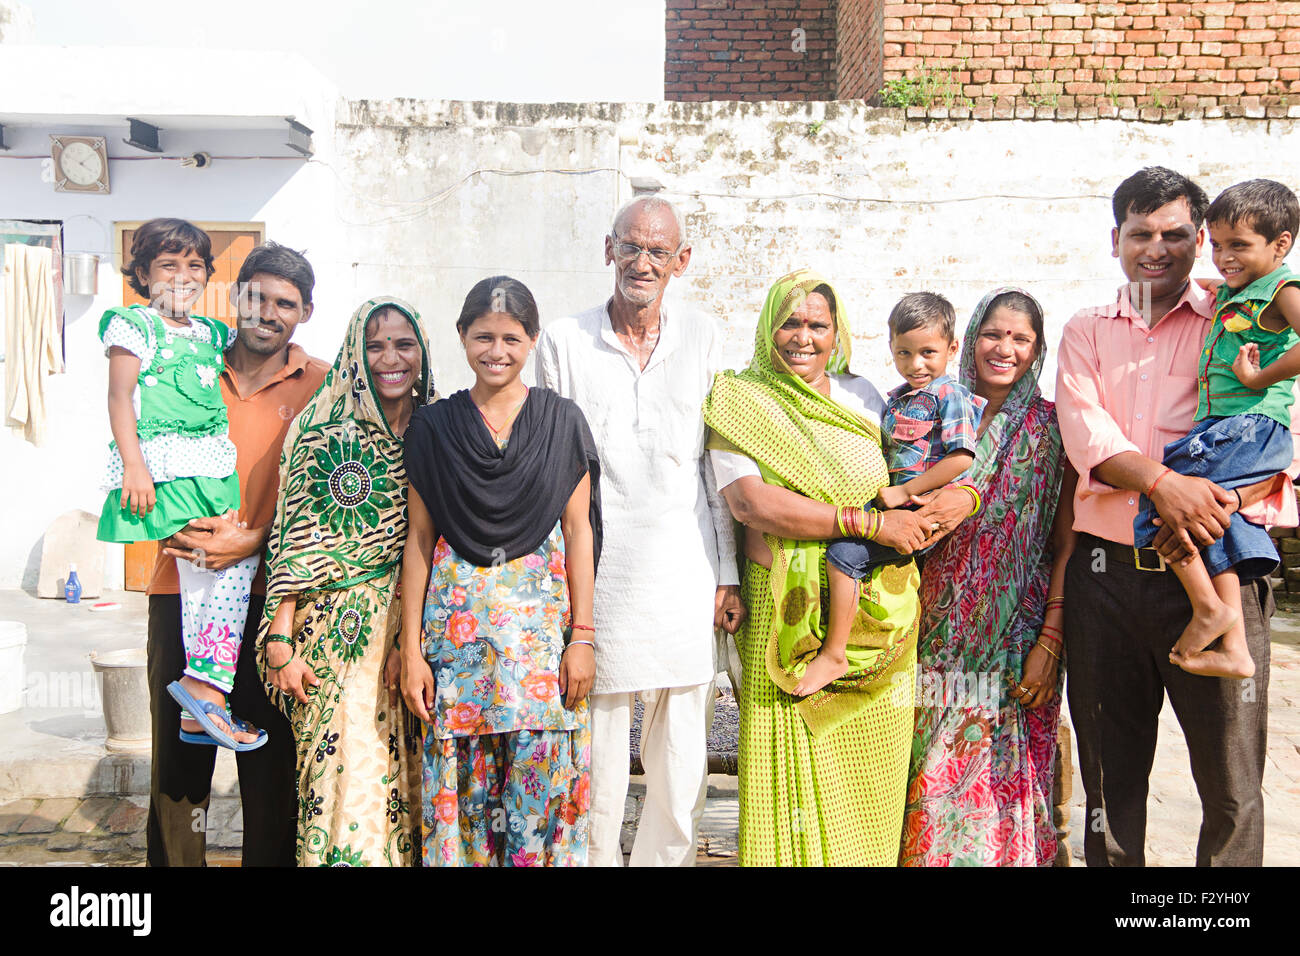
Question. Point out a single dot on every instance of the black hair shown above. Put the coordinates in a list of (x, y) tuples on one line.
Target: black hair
[(158, 236), (273, 259), (1267, 207), (1024, 304), (923, 310), (386, 307), (500, 294), (1154, 186), (827, 293)]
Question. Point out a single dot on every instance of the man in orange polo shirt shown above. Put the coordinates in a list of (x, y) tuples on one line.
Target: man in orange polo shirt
[(266, 381)]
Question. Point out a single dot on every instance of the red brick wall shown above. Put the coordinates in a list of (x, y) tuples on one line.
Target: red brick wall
[(859, 48), (1147, 60), (749, 50)]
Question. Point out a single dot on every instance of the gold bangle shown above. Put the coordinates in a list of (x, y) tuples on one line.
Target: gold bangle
[(1048, 649), (839, 522)]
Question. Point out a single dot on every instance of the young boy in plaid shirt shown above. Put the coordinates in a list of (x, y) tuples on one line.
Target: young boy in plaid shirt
[(929, 433)]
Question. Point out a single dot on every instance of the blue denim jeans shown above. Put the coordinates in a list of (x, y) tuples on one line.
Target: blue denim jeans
[(1231, 452)]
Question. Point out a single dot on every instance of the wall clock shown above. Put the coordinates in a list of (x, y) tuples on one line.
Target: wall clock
[(80, 164)]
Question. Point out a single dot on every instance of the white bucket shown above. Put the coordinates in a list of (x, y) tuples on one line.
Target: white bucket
[(13, 675), (125, 693)]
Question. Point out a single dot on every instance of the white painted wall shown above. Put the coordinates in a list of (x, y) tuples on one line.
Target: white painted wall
[(293, 198), (412, 198), (880, 206)]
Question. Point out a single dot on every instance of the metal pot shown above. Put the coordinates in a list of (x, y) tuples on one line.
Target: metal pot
[(125, 693), (81, 273)]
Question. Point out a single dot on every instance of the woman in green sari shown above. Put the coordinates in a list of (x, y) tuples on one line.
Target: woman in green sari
[(794, 439), (327, 644)]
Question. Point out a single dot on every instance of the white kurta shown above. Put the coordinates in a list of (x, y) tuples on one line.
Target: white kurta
[(668, 541)]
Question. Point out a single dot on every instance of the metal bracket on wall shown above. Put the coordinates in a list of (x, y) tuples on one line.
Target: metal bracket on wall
[(2, 139), (299, 137), (143, 136)]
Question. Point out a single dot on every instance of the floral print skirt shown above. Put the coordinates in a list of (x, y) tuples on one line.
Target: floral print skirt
[(512, 799), (358, 755)]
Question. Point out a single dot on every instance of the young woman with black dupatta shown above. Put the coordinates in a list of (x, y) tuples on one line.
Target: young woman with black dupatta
[(498, 577)]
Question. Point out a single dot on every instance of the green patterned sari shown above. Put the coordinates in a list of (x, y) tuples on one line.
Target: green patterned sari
[(336, 545)]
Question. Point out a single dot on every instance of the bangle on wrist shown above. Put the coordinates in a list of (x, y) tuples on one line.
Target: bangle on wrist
[(280, 638), (1159, 478), (1048, 648), (582, 627), (974, 495), (588, 643), (1238, 494)]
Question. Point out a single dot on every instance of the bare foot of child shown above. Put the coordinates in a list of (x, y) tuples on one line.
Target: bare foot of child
[(202, 691), (821, 670), (1204, 629), (1229, 659)]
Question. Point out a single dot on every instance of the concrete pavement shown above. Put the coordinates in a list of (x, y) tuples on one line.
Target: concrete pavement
[(64, 799)]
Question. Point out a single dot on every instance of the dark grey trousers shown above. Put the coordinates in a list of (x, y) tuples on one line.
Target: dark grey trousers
[(1120, 624), (181, 774)]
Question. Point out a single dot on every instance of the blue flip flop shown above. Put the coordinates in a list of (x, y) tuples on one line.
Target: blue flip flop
[(201, 710), (241, 726)]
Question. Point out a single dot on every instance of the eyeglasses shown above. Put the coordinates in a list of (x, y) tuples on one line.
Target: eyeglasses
[(630, 252)]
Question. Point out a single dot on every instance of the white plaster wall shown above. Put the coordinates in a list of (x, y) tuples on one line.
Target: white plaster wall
[(420, 199), (880, 206)]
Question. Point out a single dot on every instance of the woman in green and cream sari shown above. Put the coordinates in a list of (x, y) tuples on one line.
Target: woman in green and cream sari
[(327, 644), (822, 778)]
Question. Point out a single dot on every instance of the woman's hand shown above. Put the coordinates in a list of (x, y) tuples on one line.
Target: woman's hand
[(904, 531), (577, 672), (418, 687), (393, 675), (1038, 678), (946, 507), (289, 673), (138, 494)]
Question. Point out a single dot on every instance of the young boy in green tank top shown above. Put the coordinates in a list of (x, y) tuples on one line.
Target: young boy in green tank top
[(1242, 435)]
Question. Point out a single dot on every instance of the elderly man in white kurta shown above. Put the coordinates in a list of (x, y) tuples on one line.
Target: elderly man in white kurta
[(640, 372)]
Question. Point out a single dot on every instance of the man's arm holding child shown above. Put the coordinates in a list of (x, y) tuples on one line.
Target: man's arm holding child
[(219, 542)]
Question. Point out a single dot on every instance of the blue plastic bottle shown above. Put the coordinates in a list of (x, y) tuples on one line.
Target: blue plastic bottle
[(72, 590)]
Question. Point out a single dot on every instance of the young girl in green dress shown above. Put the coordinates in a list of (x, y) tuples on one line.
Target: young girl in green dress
[(171, 459)]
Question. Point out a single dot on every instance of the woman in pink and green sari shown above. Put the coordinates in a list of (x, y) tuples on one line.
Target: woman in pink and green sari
[(991, 640)]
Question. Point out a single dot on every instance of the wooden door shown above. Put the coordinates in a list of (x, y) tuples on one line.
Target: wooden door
[(231, 244)]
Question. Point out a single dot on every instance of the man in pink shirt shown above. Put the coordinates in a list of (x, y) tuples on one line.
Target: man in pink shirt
[(1126, 387)]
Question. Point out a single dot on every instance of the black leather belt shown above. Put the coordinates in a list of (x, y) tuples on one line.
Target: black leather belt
[(1144, 559)]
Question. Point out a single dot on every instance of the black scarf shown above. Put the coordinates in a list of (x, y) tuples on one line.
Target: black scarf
[(492, 505)]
